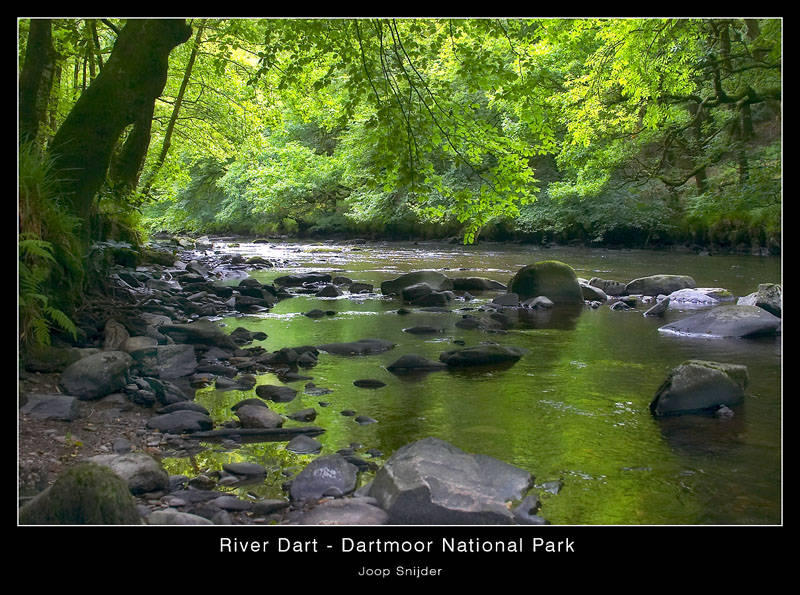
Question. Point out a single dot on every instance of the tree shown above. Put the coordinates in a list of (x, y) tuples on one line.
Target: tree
[(122, 95), (36, 79)]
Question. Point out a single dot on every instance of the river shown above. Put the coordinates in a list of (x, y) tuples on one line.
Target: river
[(573, 410)]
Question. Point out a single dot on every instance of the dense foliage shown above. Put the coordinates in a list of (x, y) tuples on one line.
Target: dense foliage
[(622, 131)]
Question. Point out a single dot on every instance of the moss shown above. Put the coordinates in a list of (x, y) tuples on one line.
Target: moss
[(86, 494)]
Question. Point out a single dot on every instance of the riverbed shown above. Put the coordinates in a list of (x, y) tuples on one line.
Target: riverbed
[(574, 411)]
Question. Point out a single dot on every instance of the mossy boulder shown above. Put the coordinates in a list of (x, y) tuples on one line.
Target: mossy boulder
[(550, 278), (86, 494)]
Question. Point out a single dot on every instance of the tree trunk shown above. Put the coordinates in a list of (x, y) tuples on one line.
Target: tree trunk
[(36, 79), (123, 93), (162, 156)]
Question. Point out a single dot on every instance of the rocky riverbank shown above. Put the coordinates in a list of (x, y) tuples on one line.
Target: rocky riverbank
[(122, 397)]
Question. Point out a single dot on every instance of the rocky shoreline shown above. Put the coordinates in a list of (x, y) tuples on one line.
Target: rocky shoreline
[(123, 396)]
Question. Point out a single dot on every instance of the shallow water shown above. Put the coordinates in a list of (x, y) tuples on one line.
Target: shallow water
[(574, 408)]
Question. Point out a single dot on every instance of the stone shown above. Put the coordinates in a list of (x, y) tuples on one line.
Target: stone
[(175, 517), (180, 422), (726, 321), (769, 297), (592, 293), (304, 445), (550, 278), (658, 309), (481, 355), (432, 482), (331, 474), (410, 363), (166, 361), (279, 394), (360, 288), (114, 335), (422, 330), (254, 416), (700, 297), (132, 344), (360, 347), (245, 469), (698, 385), (656, 284), (140, 471), (329, 291), (608, 286), (201, 331), (477, 284), (506, 299), (299, 279), (369, 383), (308, 414), (56, 407), (96, 375), (86, 494), (182, 406), (435, 280), (343, 511)]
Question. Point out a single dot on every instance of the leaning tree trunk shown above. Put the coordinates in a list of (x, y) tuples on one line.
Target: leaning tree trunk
[(123, 93)]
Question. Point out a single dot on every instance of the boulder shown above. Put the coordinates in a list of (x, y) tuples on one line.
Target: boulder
[(549, 278), (432, 482), (411, 363), (477, 284), (170, 516), (700, 297), (114, 335), (180, 422), (279, 394), (769, 297), (329, 291), (140, 471), (166, 361), (201, 331), (727, 321), (657, 284), (698, 385), (343, 511), (330, 475), (57, 407), (86, 494), (437, 282), (256, 416), (360, 347), (300, 279), (304, 445), (96, 375), (481, 355), (608, 286), (592, 293)]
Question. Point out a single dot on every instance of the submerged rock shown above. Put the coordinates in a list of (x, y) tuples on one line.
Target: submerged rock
[(360, 347), (410, 363), (698, 385), (433, 482), (481, 355)]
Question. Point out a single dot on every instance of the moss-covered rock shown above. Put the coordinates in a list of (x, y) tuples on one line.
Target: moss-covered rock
[(550, 278), (86, 494)]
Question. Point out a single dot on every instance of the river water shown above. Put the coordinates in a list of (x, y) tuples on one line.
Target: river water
[(573, 410)]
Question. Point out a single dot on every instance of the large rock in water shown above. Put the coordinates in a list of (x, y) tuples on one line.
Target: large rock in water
[(727, 321), (86, 494), (549, 278), (436, 281), (432, 482), (658, 284), (481, 355), (96, 375), (697, 385), (360, 347), (769, 296)]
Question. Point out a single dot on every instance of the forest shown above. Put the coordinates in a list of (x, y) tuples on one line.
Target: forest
[(496, 234)]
